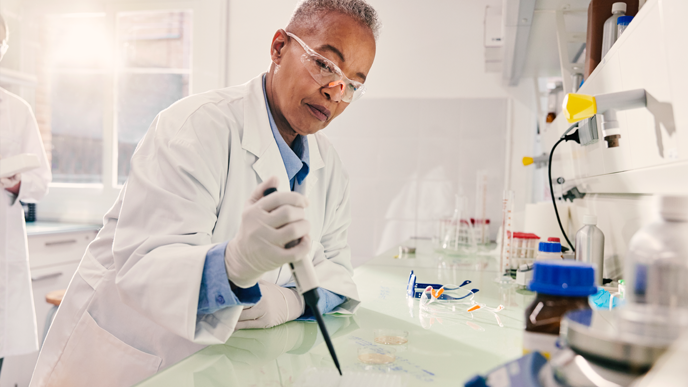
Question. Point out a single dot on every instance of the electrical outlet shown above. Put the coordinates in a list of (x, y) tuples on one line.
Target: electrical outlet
[(587, 131)]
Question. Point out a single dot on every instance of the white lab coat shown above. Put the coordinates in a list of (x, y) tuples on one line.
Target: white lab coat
[(131, 308), (18, 134)]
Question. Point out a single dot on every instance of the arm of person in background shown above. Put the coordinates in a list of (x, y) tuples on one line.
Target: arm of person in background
[(32, 185), (12, 183)]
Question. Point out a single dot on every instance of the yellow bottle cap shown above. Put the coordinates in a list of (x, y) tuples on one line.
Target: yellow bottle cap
[(579, 106), (527, 161)]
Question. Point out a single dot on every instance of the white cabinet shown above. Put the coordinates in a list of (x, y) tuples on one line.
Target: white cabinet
[(653, 153), (55, 251)]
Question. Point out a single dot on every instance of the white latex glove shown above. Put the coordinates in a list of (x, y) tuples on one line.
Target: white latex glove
[(267, 224), (9, 182), (277, 305)]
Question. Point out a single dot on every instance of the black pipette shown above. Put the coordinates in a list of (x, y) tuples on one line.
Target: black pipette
[(307, 285)]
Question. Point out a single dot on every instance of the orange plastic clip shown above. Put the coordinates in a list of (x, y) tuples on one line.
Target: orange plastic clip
[(473, 308), (438, 293)]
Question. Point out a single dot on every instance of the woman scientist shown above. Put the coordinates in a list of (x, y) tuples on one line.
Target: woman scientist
[(191, 250), (18, 134)]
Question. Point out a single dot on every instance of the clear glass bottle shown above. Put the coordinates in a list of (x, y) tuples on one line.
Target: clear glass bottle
[(610, 29), (656, 270), (590, 246)]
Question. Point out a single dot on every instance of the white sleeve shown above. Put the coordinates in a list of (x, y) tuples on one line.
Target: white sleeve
[(34, 183), (168, 214)]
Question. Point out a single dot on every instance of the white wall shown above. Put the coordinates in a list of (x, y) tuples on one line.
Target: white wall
[(431, 116), (408, 157), (425, 50)]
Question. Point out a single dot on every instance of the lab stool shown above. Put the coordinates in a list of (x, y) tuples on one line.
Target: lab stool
[(54, 298)]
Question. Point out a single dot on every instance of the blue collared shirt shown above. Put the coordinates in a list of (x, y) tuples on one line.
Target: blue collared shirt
[(215, 292), (297, 159)]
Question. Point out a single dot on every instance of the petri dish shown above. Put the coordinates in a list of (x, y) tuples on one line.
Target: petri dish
[(376, 355), (390, 336)]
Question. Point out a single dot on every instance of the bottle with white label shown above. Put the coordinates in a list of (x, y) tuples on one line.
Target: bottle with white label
[(561, 286), (610, 29)]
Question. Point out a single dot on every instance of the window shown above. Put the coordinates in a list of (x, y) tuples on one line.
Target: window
[(149, 65), (154, 67), (104, 71), (77, 60)]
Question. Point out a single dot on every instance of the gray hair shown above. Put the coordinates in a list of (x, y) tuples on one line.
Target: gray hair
[(359, 10)]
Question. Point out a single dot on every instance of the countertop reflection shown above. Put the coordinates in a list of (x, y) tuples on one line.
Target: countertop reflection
[(441, 350)]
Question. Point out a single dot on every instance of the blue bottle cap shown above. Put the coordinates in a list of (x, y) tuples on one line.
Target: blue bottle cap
[(624, 20), (550, 247), (563, 278)]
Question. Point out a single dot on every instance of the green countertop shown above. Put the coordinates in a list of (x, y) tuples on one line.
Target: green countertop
[(442, 351)]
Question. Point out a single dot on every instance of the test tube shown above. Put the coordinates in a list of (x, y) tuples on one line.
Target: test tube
[(481, 207), (507, 234), (523, 252), (533, 247), (518, 247)]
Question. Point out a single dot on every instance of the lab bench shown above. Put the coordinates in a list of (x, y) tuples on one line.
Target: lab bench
[(440, 351), (55, 250)]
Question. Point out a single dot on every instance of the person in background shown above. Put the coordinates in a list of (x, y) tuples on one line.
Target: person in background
[(18, 134), (191, 250)]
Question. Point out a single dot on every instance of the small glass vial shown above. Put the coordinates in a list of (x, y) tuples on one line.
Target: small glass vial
[(520, 245), (533, 244), (561, 286)]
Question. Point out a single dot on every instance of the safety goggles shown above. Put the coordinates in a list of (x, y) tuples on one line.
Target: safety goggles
[(327, 74), (451, 301), (415, 289)]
